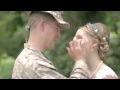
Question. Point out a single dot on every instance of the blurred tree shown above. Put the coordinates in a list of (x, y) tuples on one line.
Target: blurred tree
[(11, 32)]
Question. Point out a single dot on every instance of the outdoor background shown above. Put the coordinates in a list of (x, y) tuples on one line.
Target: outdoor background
[(12, 29)]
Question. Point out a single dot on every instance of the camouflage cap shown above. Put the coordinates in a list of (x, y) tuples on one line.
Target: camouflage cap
[(58, 16)]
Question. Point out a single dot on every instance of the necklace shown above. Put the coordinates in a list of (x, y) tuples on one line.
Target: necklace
[(98, 67)]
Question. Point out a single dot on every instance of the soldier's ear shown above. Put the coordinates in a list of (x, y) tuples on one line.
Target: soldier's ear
[(41, 25)]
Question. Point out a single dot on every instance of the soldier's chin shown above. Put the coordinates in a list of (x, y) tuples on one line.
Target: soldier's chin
[(52, 46)]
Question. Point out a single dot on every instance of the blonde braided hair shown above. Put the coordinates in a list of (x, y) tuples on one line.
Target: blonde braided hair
[(100, 31)]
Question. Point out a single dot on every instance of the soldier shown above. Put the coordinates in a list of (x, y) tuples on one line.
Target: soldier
[(44, 27)]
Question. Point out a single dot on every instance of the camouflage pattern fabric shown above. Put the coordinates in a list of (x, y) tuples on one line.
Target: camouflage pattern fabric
[(32, 64)]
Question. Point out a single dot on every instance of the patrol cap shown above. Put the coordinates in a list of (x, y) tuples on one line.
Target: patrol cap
[(58, 16)]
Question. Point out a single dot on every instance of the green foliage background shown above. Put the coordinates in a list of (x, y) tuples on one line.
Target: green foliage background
[(12, 31)]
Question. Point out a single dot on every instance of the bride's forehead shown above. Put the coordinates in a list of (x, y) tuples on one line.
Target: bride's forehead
[(80, 31)]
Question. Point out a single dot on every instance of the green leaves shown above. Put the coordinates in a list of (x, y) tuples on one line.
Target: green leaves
[(6, 66)]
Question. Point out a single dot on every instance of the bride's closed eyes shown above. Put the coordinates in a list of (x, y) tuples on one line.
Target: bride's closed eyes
[(79, 37)]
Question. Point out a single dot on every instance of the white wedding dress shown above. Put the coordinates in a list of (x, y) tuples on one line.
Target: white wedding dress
[(105, 72)]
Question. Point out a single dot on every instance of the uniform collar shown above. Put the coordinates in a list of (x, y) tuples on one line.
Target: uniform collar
[(37, 52)]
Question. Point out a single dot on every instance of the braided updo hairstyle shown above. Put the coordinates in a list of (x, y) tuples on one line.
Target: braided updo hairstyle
[(100, 31)]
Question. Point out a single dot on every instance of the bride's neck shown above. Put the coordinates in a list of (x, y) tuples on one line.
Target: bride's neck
[(93, 62)]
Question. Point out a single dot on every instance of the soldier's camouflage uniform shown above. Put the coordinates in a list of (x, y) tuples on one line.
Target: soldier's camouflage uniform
[(32, 64)]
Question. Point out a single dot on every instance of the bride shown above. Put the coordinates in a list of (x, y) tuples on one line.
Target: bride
[(94, 39)]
